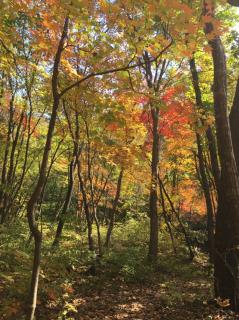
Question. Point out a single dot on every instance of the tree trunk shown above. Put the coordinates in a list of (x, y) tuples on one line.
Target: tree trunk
[(66, 202), (31, 206), (8, 199), (227, 221), (97, 223), (207, 195), (166, 219), (153, 212), (234, 124), (112, 213), (86, 209), (35, 275), (183, 230), (3, 194), (202, 171), (209, 133), (213, 157)]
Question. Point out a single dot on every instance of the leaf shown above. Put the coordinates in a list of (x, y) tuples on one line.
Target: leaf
[(223, 303), (7, 278)]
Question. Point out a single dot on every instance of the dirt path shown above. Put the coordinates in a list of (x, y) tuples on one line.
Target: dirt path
[(173, 299)]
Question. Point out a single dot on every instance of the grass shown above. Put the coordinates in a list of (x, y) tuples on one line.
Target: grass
[(125, 286)]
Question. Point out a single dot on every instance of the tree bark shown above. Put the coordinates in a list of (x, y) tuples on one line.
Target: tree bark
[(207, 195), (209, 133), (183, 230), (31, 206), (66, 202), (86, 209), (166, 218), (227, 221), (112, 213), (92, 191), (5, 160), (216, 171), (8, 200), (214, 162), (234, 124), (153, 211)]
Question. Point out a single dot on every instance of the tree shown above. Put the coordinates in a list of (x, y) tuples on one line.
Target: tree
[(227, 222), (31, 207), (202, 165)]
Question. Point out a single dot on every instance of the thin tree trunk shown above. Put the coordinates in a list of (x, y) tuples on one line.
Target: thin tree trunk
[(209, 133), (5, 160), (66, 202), (166, 218), (213, 157), (8, 200), (97, 223), (183, 230), (112, 213), (207, 195), (92, 193), (154, 75), (86, 209), (153, 210), (214, 162), (13, 150), (31, 206)]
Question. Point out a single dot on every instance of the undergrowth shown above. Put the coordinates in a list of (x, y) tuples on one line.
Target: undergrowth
[(64, 270)]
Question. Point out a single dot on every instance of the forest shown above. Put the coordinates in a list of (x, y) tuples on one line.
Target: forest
[(119, 159)]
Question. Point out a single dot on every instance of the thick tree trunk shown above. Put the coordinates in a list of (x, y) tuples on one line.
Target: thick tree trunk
[(153, 211), (234, 124), (227, 221), (112, 213)]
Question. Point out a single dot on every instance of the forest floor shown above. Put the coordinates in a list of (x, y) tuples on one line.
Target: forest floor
[(125, 286)]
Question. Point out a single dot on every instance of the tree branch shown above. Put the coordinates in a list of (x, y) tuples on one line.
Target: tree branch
[(101, 73), (234, 3)]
